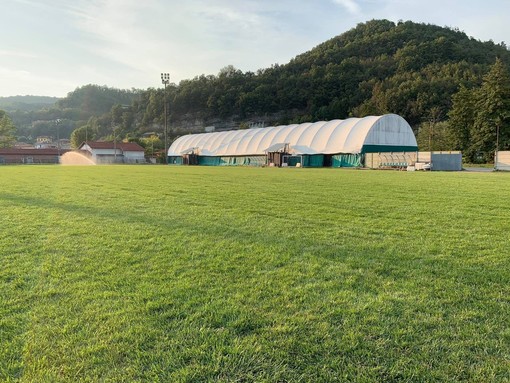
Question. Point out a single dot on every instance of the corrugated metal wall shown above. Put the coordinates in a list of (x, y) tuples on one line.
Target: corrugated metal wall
[(442, 161), (447, 161)]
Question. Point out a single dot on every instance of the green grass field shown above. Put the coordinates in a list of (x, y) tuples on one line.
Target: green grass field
[(196, 274)]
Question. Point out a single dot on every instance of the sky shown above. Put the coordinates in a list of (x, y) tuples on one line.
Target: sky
[(52, 47)]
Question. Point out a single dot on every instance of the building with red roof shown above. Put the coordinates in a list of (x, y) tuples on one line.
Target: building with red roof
[(30, 155), (109, 152)]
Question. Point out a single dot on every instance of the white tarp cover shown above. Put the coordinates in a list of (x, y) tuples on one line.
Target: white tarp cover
[(325, 137), (276, 148)]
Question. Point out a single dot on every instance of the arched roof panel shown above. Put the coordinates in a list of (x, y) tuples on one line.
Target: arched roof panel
[(253, 144), (180, 144), (307, 135), (390, 130), (281, 136), (268, 138), (245, 140), (339, 135), (231, 146), (353, 142), (216, 142), (322, 135), (294, 134)]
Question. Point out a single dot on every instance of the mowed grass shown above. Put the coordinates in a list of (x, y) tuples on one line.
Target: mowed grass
[(196, 274)]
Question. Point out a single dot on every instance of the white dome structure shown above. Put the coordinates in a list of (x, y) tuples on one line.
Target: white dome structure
[(385, 133), (353, 142)]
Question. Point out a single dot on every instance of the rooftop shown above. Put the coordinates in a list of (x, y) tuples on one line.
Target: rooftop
[(124, 146)]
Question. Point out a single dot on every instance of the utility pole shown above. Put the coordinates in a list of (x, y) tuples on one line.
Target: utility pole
[(165, 79), (497, 147), (114, 146), (57, 122)]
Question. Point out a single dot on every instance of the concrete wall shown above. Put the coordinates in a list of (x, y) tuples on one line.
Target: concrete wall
[(503, 162), (118, 159), (134, 157)]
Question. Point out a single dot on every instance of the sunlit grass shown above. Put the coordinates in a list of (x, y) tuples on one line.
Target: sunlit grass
[(195, 274)]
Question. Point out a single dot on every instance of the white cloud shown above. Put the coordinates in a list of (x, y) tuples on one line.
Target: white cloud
[(128, 43), (351, 6), (186, 39), (19, 54)]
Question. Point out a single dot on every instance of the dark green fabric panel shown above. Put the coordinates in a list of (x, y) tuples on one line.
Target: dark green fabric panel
[(346, 160), (306, 160), (209, 161), (294, 160), (256, 160), (174, 160), (387, 148), (232, 161), (227, 161), (243, 161), (314, 161)]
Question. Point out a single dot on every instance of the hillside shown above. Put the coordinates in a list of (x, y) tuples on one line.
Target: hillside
[(38, 116), (377, 67), (26, 103)]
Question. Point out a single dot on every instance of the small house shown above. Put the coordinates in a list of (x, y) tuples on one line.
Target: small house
[(109, 152)]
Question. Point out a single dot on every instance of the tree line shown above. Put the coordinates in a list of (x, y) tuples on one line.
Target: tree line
[(437, 78)]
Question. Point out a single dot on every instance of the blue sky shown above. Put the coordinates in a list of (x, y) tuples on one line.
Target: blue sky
[(51, 47)]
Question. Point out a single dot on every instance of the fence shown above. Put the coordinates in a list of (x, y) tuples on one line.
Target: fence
[(390, 160)]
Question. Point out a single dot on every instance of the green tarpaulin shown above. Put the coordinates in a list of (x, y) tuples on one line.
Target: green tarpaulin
[(174, 160), (346, 160), (306, 160), (232, 161)]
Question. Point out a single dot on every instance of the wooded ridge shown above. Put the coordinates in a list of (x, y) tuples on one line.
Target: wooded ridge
[(422, 72)]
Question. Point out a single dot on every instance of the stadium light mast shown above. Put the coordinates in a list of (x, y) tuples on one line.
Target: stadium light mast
[(165, 79), (57, 122)]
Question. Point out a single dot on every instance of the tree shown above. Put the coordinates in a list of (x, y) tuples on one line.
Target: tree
[(434, 136), (461, 118), (7, 130), (82, 134), (151, 144), (493, 113)]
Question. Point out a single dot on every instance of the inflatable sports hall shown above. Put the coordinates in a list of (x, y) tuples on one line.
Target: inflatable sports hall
[(336, 143)]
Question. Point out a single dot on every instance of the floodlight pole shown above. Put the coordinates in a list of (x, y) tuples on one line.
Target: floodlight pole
[(165, 79), (57, 122), (114, 146)]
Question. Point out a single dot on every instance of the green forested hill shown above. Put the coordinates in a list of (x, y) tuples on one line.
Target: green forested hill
[(377, 67), (26, 103), (38, 116)]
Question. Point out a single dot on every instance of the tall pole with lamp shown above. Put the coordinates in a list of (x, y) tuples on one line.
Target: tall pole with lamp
[(114, 145), (165, 79), (57, 122)]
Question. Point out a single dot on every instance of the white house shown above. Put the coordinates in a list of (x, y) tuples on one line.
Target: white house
[(108, 152)]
